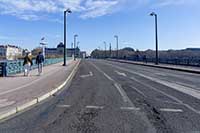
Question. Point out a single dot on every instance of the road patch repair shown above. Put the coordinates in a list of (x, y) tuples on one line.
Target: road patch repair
[(36, 92)]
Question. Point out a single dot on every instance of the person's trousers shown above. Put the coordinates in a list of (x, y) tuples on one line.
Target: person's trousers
[(27, 69), (40, 66)]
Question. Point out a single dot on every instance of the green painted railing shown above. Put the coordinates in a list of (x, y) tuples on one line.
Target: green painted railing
[(13, 67)]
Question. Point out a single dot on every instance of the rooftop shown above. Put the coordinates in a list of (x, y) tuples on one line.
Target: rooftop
[(8, 45)]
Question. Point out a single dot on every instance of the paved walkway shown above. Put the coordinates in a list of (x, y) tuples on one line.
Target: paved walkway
[(17, 90), (165, 66)]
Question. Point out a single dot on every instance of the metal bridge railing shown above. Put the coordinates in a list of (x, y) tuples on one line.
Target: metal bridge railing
[(13, 67), (1, 70)]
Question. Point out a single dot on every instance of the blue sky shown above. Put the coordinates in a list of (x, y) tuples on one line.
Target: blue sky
[(25, 22)]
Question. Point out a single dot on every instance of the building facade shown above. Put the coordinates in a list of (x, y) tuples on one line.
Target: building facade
[(51, 51), (83, 54), (10, 52), (60, 51)]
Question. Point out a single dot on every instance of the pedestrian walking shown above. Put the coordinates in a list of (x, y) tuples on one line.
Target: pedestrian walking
[(39, 62), (27, 64)]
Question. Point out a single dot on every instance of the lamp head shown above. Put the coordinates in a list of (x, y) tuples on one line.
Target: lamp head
[(68, 10), (153, 14)]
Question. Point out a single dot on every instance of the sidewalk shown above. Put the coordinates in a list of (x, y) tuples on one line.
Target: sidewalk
[(190, 69), (17, 91)]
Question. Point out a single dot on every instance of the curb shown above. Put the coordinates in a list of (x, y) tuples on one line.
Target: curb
[(39, 99), (169, 68)]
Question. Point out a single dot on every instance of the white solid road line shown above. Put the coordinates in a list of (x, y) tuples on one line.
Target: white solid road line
[(169, 96), (161, 74), (138, 91), (108, 77), (187, 90), (102, 72), (171, 110), (186, 85), (123, 93), (118, 86), (155, 80), (120, 73), (94, 107)]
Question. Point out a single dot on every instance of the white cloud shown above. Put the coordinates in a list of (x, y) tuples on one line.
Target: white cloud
[(162, 3), (42, 9), (98, 8), (37, 9)]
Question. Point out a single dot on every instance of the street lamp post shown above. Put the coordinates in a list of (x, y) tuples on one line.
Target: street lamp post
[(78, 44), (156, 34), (68, 11), (43, 44), (72, 45), (75, 36), (105, 48), (110, 50), (117, 43)]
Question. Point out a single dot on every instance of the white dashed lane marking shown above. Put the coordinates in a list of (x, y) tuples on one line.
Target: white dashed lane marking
[(64, 106), (94, 107), (121, 108), (130, 108), (171, 110)]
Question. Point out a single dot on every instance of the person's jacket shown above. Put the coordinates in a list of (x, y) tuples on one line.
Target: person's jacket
[(27, 60), (39, 59)]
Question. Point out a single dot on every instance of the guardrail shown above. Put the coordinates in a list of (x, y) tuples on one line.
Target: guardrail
[(13, 67), (185, 62)]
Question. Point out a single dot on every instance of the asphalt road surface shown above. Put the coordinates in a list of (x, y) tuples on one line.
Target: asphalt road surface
[(111, 97)]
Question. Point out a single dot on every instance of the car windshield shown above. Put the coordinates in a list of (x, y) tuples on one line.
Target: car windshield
[(99, 66)]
